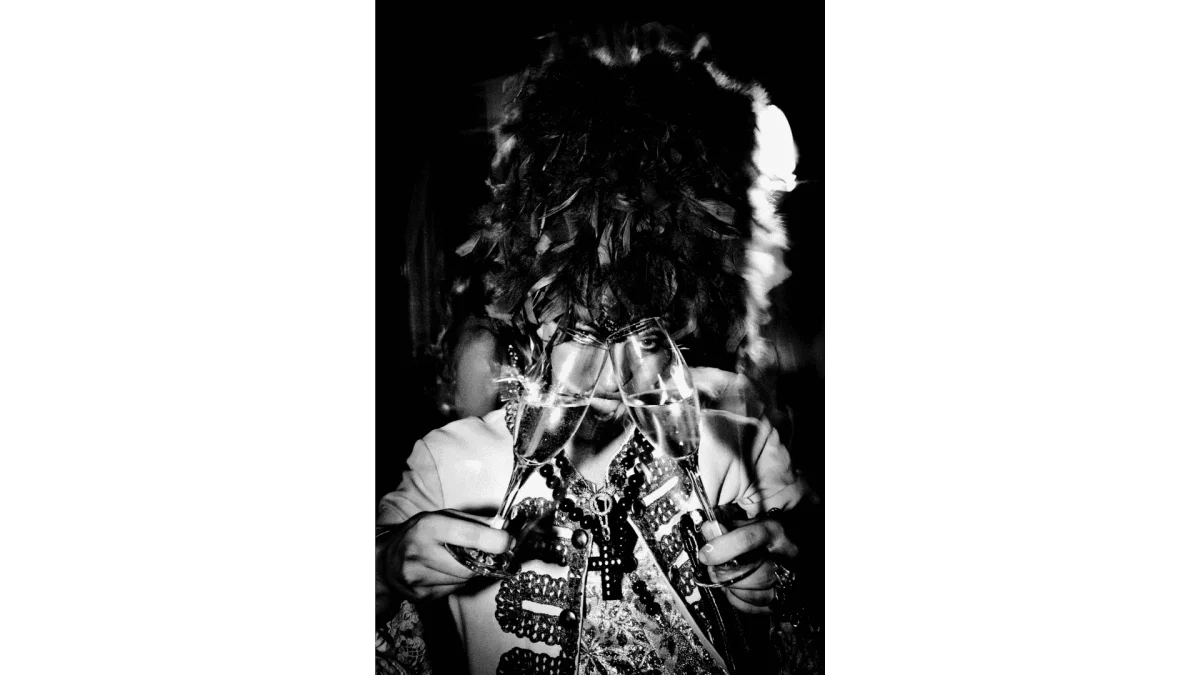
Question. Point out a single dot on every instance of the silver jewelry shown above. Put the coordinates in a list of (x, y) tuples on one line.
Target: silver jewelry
[(784, 578)]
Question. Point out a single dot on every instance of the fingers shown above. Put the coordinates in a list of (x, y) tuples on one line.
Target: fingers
[(427, 565), (440, 566), (428, 592), (418, 561), (436, 568), (730, 545), (745, 607), (781, 544), (763, 578), (453, 513), (750, 597), (711, 529), (454, 528), (760, 534), (754, 594)]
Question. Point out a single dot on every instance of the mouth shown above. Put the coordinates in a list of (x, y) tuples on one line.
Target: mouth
[(604, 409), (605, 419)]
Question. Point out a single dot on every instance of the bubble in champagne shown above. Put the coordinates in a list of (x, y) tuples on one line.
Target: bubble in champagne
[(669, 420), (543, 428)]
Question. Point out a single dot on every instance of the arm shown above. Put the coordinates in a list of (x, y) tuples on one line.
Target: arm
[(413, 563), (767, 490), (410, 561), (771, 483)]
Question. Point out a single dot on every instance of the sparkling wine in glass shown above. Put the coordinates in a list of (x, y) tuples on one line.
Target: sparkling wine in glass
[(657, 389), (554, 398)]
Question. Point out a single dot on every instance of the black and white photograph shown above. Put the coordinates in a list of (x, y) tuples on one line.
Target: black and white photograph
[(614, 311)]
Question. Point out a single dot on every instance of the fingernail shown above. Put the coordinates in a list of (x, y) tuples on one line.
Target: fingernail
[(707, 548)]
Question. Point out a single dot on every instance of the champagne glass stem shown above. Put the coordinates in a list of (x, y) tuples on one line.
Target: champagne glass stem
[(689, 466), (520, 474)]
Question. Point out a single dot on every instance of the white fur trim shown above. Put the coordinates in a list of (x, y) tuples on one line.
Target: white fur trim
[(776, 156), (775, 162)]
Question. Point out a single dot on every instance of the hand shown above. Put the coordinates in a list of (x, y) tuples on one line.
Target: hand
[(414, 563), (754, 594)]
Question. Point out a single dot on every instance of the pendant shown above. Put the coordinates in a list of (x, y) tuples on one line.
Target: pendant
[(602, 504), (610, 562)]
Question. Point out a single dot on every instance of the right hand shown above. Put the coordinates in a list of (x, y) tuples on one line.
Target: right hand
[(415, 564)]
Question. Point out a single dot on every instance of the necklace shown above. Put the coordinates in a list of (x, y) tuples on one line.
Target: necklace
[(510, 385), (599, 513)]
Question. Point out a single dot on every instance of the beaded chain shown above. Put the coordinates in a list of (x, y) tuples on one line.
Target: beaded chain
[(510, 385), (603, 516)]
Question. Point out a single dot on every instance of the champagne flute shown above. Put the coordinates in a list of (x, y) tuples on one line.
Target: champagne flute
[(657, 389), (555, 394)]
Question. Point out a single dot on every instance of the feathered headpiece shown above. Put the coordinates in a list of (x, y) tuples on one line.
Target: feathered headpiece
[(632, 178)]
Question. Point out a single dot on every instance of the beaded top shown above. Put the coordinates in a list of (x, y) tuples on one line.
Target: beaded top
[(628, 602)]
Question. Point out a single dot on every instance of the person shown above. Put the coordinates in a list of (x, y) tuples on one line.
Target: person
[(633, 179), (481, 357), (475, 357)]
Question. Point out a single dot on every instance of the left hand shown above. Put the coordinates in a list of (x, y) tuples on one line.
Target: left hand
[(754, 594)]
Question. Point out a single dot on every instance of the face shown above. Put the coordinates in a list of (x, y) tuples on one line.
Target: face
[(606, 417), (606, 414), (643, 357)]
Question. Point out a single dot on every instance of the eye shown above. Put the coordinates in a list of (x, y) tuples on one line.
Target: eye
[(650, 341), (587, 330)]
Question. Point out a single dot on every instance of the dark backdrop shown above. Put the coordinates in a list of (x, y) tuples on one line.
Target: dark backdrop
[(435, 154)]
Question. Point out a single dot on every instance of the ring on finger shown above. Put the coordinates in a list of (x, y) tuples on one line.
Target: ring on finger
[(784, 578)]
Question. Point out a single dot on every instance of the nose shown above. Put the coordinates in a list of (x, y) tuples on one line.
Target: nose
[(606, 386)]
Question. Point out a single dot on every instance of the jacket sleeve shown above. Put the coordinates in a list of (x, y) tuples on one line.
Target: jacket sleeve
[(754, 470), (420, 489), (772, 483)]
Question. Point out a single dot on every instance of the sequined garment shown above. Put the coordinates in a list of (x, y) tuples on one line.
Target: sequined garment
[(400, 645), (617, 635), (620, 637), (553, 617)]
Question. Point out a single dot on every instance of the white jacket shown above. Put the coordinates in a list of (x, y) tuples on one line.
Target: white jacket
[(466, 465)]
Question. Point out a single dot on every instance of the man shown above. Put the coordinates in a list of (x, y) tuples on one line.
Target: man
[(631, 183)]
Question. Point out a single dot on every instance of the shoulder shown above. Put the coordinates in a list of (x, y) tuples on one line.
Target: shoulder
[(470, 434), (730, 427), (724, 390), (478, 342)]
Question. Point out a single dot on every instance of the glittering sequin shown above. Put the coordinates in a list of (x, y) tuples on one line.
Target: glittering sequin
[(671, 544), (659, 513), (515, 618), (683, 577), (518, 661), (622, 638), (532, 507), (400, 644), (661, 471), (617, 636), (610, 563)]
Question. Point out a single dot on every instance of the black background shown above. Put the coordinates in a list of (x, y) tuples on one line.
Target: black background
[(432, 114)]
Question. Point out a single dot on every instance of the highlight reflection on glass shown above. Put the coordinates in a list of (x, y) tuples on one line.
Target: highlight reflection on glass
[(554, 398), (657, 388)]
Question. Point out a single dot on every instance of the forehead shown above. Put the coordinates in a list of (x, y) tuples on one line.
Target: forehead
[(604, 333), (608, 338)]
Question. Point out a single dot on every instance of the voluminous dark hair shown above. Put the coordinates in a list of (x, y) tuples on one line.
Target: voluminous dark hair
[(620, 188)]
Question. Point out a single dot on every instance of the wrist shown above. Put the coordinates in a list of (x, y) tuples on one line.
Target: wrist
[(385, 539)]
